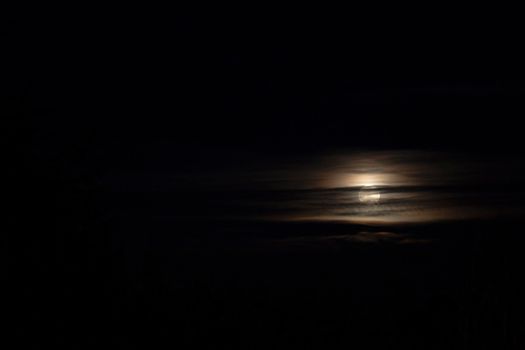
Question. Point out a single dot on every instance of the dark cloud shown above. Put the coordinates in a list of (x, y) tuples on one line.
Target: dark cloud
[(414, 187)]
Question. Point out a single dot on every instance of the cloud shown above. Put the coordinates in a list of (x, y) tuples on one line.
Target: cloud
[(415, 186), (362, 237), (374, 237)]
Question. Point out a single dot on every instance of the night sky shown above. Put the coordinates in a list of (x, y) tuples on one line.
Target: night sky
[(262, 183)]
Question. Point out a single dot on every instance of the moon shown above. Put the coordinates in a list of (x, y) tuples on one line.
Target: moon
[(369, 195)]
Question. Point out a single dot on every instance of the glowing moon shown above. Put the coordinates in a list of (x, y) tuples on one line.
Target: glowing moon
[(369, 195)]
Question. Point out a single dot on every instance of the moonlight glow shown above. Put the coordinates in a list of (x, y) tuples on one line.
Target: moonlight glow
[(369, 195)]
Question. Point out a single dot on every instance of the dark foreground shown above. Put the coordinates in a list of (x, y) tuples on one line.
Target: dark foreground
[(155, 283)]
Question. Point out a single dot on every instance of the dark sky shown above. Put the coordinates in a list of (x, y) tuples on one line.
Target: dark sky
[(127, 93), (198, 101)]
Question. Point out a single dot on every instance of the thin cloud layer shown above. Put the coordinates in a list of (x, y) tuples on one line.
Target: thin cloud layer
[(413, 186)]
